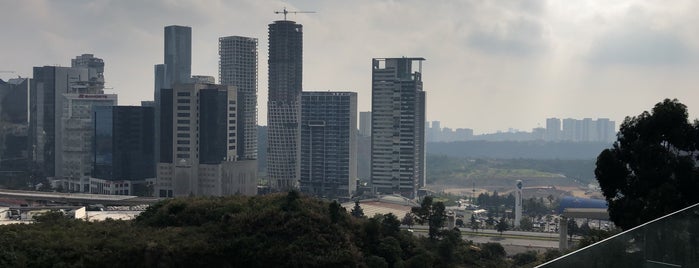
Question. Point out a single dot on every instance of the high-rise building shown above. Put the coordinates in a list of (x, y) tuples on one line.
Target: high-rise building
[(74, 167), (553, 129), (328, 144), (123, 150), (365, 124), (47, 108), (283, 106), (589, 130), (14, 122), (238, 67), (203, 137), (95, 68), (397, 126), (176, 69), (569, 130), (178, 55)]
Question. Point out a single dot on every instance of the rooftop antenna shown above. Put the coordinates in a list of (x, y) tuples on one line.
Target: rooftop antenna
[(284, 11)]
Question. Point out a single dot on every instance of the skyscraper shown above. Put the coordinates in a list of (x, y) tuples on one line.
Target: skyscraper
[(203, 159), (328, 144), (60, 103), (95, 68), (123, 150), (365, 124), (283, 106), (397, 126), (14, 121), (553, 129), (238, 67), (178, 55), (176, 69)]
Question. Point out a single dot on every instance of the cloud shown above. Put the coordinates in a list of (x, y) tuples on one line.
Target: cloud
[(521, 37), (641, 47)]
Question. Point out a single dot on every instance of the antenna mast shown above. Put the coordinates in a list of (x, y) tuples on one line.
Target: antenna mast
[(284, 11)]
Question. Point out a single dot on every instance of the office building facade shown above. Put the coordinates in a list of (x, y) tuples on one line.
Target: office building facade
[(77, 129), (283, 106), (238, 67), (123, 147), (397, 126), (123, 150), (177, 69), (328, 144), (204, 138), (365, 124), (47, 108), (14, 123)]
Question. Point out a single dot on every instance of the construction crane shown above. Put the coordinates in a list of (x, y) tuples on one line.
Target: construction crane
[(284, 11)]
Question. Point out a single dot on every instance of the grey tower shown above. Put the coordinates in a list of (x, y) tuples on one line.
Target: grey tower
[(176, 70), (238, 67), (328, 144), (178, 55), (46, 108), (283, 105), (397, 126)]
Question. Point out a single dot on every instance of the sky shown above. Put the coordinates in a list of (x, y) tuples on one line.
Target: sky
[(490, 64)]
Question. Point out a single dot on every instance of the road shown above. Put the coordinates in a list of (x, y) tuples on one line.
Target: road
[(508, 238)]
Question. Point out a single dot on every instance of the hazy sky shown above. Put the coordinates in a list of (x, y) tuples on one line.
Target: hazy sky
[(491, 65)]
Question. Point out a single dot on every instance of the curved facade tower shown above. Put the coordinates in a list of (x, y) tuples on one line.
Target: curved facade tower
[(283, 105)]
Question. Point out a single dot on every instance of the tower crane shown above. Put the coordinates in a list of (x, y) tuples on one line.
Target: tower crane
[(284, 11)]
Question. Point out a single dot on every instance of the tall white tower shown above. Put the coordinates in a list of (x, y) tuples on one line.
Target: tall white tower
[(518, 203)]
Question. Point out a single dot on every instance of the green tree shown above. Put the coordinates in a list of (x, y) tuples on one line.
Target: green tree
[(408, 220), (502, 225), (524, 258), (526, 224), (357, 210), (335, 211), (432, 213), (650, 170), (390, 225), (572, 228), (474, 223)]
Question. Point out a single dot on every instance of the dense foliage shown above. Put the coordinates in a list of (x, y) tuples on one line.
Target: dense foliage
[(650, 171), (281, 230)]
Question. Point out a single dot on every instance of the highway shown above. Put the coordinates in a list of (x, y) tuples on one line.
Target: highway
[(508, 238), (77, 198)]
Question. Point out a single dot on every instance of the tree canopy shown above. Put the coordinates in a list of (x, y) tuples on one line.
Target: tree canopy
[(277, 230), (650, 170)]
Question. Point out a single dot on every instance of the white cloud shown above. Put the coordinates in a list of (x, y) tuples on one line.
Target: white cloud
[(490, 64)]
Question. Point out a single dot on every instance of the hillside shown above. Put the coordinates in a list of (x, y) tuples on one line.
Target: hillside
[(280, 230)]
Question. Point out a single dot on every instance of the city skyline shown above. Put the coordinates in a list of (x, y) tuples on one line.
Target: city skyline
[(561, 59)]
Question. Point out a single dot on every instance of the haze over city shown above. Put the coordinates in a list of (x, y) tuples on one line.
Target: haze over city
[(491, 65)]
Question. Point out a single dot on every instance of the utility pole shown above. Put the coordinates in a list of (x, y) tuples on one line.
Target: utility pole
[(284, 11)]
